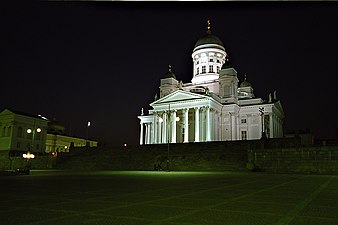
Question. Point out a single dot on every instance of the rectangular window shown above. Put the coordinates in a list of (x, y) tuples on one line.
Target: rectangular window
[(197, 62), (218, 61), (211, 60), (204, 69), (198, 70), (9, 131), (217, 69), (243, 120), (244, 135), (211, 69), (19, 132)]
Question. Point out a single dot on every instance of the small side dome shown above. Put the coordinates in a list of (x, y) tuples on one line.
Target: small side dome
[(169, 74), (245, 83), (227, 64)]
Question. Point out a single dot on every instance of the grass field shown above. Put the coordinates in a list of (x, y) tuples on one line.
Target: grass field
[(170, 198)]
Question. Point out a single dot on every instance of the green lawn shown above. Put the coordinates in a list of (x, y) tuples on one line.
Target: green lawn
[(175, 198)]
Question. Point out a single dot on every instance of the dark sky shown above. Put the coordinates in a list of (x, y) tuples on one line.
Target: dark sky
[(102, 62)]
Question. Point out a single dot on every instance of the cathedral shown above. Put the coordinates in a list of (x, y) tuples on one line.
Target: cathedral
[(213, 107)]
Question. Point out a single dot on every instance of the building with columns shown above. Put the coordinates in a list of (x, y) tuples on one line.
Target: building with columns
[(213, 107)]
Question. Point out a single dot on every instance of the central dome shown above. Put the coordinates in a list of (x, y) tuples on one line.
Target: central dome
[(209, 39)]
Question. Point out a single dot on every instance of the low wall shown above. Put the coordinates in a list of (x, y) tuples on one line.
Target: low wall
[(269, 155), (14, 162), (310, 160), (212, 156)]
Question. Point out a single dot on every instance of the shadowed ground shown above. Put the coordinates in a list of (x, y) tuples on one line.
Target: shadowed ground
[(175, 198)]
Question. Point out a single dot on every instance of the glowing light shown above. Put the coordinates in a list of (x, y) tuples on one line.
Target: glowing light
[(29, 130), (88, 124), (160, 120), (66, 147), (28, 155), (42, 117), (125, 145), (177, 119), (38, 130)]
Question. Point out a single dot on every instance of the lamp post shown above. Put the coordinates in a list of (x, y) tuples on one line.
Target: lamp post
[(30, 155), (261, 110), (168, 162), (87, 132)]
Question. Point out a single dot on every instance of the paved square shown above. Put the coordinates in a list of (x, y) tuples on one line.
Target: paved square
[(167, 198)]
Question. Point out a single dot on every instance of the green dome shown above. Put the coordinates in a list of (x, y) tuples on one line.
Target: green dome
[(169, 74), (245, 83), (209, 39), (226, 65)]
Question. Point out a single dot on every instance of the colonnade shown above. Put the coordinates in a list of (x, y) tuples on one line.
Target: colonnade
[(163, 126), (205, 122)]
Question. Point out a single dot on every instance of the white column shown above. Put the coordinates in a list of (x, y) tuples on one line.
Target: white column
[(216, 118), (159, 129), (173, 130), (164, 128), (149, 131), (271, 125), (220, 126), (208, 124), (141, 134), (186, 127), (146, 134), (154, 141), (197, 124)]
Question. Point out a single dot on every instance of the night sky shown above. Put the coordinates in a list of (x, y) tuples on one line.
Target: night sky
[(102, 61)]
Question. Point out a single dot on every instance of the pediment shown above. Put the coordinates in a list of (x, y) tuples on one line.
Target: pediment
[(179, 96)]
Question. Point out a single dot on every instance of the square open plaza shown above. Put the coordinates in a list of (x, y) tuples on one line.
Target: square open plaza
[(175, 198)]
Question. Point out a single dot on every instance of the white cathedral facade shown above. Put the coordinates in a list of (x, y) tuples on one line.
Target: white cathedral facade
[(213, 107)]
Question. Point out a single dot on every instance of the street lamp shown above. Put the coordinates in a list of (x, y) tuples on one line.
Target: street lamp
[(261, 110), (87, 131), (168, 139), (27, 156)]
